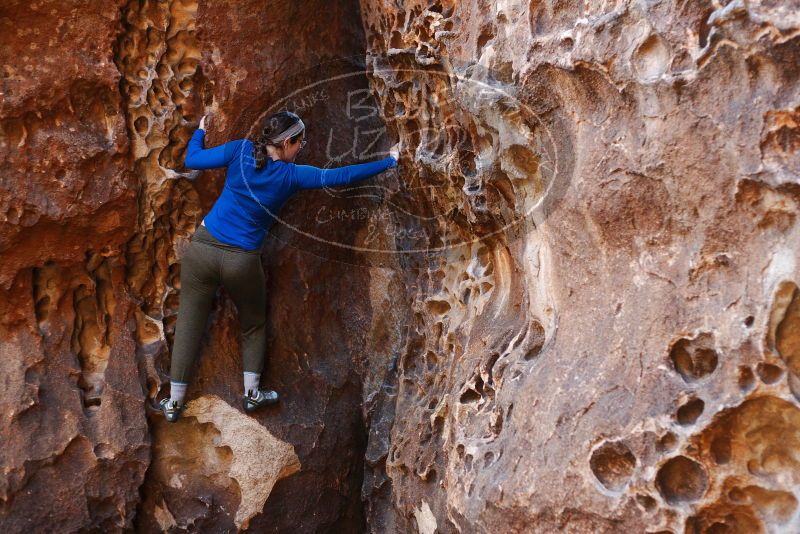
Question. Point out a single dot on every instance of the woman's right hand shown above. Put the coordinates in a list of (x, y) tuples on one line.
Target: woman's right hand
[(203, 122)]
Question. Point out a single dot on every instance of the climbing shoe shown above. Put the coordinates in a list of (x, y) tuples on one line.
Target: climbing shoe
[(256, 399), (171, 410)]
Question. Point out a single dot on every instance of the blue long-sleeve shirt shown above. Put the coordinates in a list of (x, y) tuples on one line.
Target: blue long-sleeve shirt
[(250, 199)]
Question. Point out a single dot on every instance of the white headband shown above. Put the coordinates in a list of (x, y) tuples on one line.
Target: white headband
[(291, 131)]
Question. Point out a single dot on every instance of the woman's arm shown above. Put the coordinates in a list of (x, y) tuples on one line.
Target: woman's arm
[(309, 177), (200, 158)]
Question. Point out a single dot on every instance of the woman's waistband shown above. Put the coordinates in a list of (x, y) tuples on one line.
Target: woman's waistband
[(202, 235)]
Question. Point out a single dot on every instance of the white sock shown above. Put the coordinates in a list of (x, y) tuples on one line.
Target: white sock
[(251, 381), (177, 391)]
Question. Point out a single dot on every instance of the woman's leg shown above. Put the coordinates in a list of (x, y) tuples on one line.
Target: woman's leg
[(244, 280), (200, 270)]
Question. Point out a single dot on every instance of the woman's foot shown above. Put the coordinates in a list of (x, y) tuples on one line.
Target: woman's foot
[(256, 399), (170, 409)]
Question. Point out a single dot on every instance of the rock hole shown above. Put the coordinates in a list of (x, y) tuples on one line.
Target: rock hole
[(438, 425), (436, 328), (787, 330), (42, 309), (472, 393), (187, 66), (612, 464), (438, 307), (467, 166), (748, 322), (667, 442), (163, 71), (694, 359), (647, 503), (396, 40), (681, 480), (490, 365), (746, 378), (525, 161), (690, 412), (468, 396), (504, 72), (486, 35), (721, 450), (501, 369), (496, 423), (431, 360), (769, 373), (535, 340), (531, 354), (652, 58), (681, 61), (705, 362), (736, 495), (484, 255), (705, 28)]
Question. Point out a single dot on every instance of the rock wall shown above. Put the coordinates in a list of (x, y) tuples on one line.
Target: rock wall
[(573, 308), (75, 443), (625, 363)]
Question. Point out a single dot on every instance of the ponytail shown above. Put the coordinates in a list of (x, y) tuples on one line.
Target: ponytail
[(276, 124)]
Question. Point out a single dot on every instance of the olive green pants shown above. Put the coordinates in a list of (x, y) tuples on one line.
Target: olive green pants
[(206, 264)]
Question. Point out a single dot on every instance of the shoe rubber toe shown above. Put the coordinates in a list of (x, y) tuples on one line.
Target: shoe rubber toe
[(170, 414), (266, 398)]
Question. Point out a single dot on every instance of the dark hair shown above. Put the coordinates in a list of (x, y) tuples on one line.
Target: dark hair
[(275, 124)]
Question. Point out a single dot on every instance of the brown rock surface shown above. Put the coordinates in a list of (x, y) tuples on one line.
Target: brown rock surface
[(619, 367), (75, 443), (575, 308)]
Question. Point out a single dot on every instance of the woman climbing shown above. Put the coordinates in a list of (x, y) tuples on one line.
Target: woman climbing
[(226, 247)]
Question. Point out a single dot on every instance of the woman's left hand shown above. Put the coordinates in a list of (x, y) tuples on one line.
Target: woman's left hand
[(395, 151), (203, 122)]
